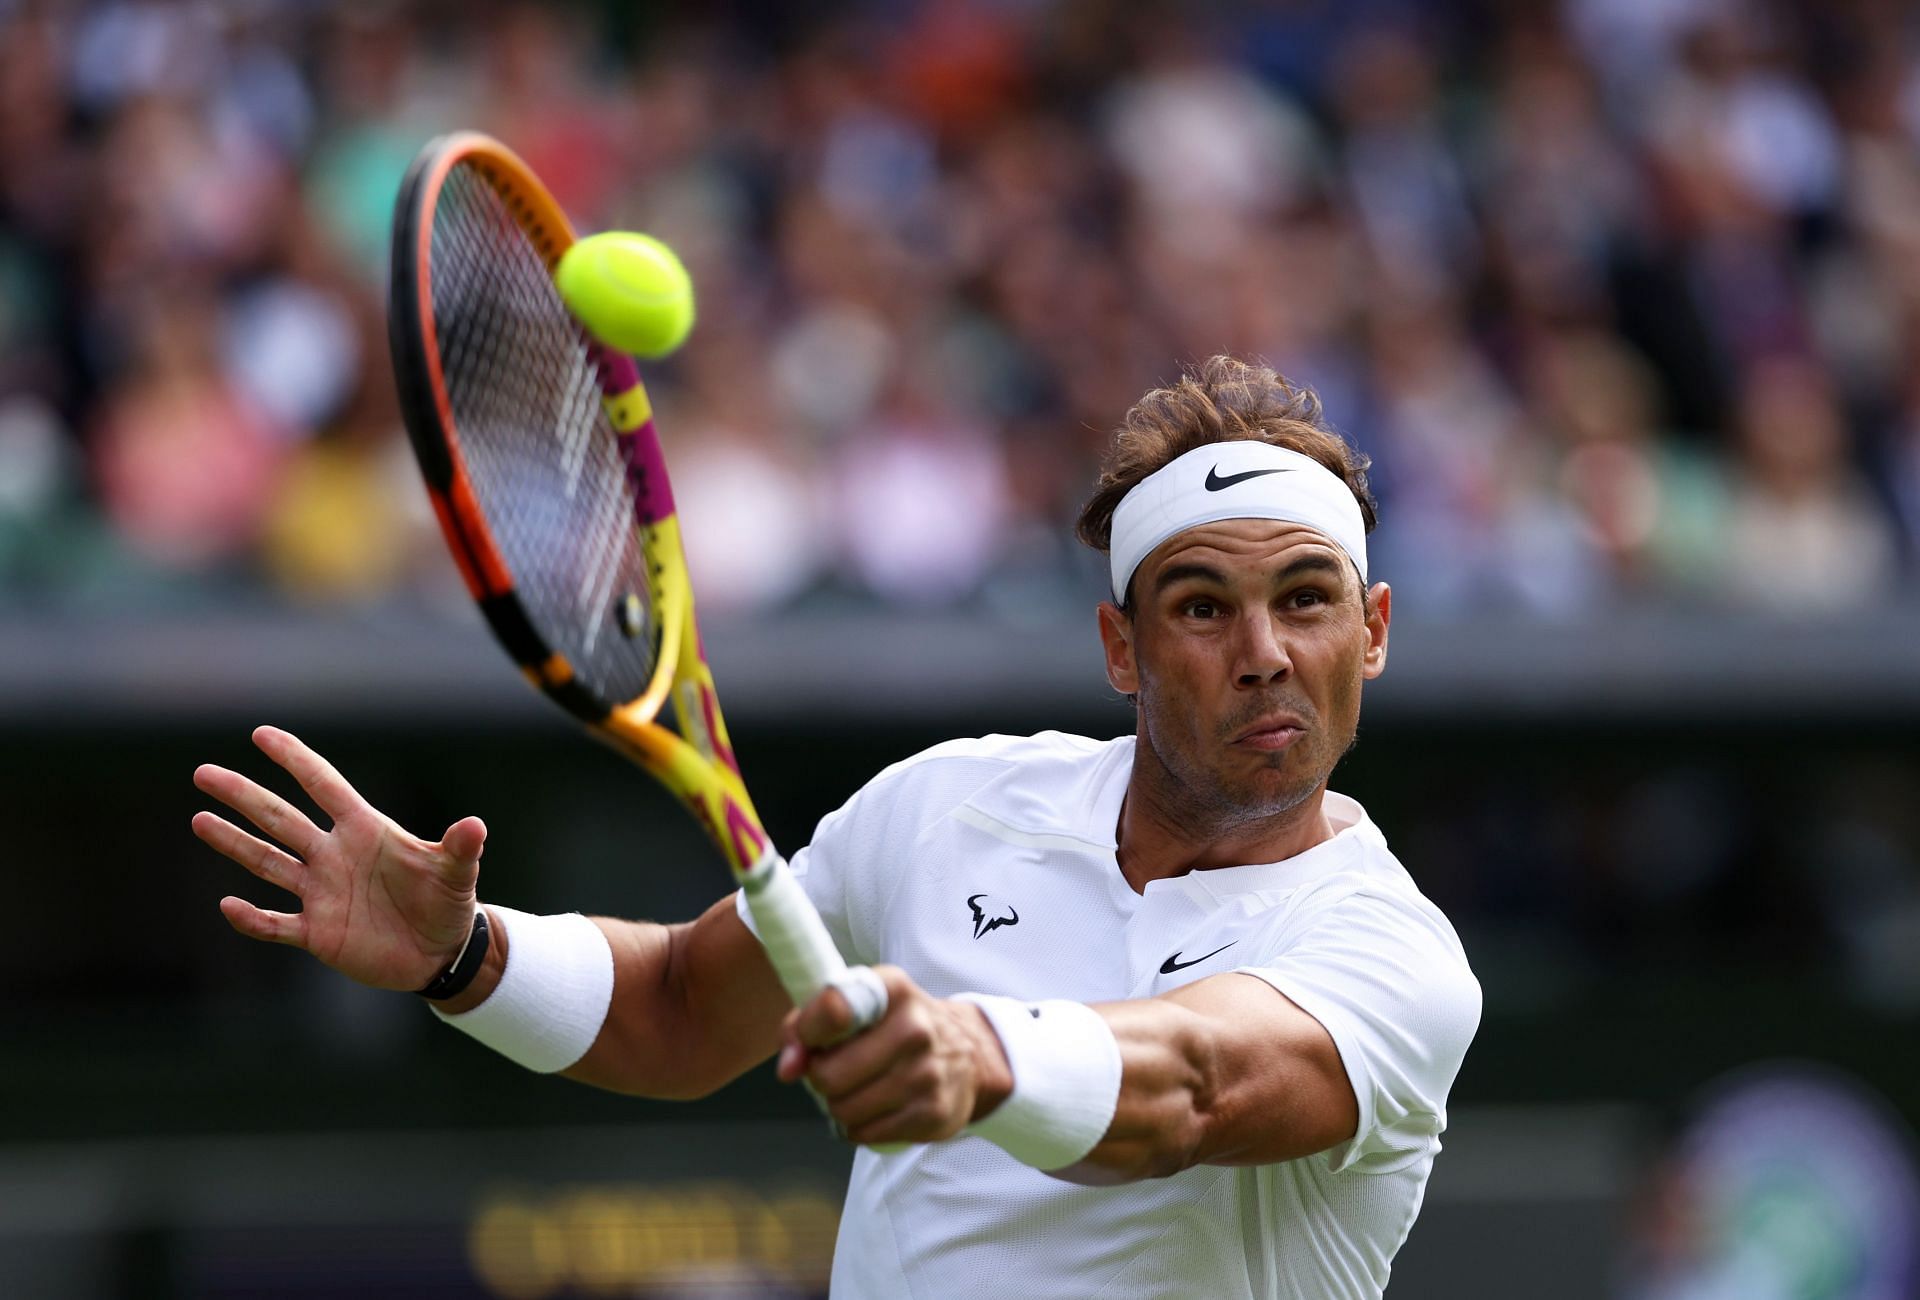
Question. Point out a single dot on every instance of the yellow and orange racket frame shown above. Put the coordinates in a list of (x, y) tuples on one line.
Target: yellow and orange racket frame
[(698, 764)]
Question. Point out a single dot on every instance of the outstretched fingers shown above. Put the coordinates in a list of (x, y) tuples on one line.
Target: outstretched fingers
[(268, 927), (319, 778), (260, 806), (269, 862)]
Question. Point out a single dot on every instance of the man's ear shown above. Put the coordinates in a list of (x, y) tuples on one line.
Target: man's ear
[(1379, 616), (1116, 638)]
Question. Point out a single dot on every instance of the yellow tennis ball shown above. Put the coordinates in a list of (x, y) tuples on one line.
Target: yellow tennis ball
[(630, 291)]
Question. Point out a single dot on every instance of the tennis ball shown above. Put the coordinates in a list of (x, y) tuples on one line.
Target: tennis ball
[(629, 290)]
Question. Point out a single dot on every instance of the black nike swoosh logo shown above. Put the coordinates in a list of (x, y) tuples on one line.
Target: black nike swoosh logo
[(1215, 482), (1173, 963)]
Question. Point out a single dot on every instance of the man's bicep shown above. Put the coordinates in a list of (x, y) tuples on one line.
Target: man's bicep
[(1280, 1091)]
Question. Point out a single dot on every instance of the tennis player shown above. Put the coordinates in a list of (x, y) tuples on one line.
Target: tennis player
[(1166, 1017)]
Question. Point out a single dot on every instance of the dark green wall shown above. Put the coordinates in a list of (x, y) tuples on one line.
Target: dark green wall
[(1645, 906)]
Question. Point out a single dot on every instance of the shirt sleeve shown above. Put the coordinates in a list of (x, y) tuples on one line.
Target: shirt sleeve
[(1387, 979)]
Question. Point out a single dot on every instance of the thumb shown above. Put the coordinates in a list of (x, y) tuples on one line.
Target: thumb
[(463, 842)]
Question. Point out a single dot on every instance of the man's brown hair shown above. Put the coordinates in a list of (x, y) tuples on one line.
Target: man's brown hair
[(1223, 399)]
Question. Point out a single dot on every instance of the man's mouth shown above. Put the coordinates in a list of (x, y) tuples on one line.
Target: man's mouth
[(1270, 735)]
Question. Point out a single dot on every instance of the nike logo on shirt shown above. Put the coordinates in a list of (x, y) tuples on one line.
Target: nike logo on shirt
[(1173, 963), (1215, 482)]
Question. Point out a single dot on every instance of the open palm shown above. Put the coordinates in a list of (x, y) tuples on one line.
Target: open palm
[(378, 904)]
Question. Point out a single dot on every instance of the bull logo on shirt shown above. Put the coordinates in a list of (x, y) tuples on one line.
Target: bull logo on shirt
[(989, 914)]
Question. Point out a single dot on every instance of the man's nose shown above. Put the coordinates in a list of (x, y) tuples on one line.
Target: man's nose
[(1263, 653)]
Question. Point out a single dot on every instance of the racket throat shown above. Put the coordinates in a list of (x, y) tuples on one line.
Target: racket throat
[(689, 707), (757, 876)]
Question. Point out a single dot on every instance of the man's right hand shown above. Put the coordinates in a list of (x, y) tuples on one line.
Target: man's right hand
[(378, 905)]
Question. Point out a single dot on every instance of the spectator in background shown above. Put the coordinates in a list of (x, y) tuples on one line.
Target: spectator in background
[(1805, 535), (1741, 158), (749, 492), (347, 523), (1652, 508), (1543, 255), (1475, 525), (186, 463), (1903, 458), (1401, 171), (921, 498), (1561, 190)]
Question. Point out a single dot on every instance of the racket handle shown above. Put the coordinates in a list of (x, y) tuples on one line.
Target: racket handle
[(799, 946), (804, 957)]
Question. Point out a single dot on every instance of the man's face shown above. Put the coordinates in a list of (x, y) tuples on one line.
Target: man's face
[(1246, 649)]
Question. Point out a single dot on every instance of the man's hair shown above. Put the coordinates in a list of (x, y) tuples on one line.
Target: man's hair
[(1223, 399)]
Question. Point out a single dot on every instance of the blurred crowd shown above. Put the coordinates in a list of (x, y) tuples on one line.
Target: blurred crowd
[(1623, 297)]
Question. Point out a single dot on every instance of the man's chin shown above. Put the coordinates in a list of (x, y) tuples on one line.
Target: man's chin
[(1270, 793)]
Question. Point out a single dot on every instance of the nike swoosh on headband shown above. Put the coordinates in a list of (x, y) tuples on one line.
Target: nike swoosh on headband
[(1215, 482)]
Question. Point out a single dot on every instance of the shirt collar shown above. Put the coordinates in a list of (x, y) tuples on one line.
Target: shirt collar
[(1353, 843), (1081, 802)]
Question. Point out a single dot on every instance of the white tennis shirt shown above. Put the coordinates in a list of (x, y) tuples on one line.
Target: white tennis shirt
[(989, 866)]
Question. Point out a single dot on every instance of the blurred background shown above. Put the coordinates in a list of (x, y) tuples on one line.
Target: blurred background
[(1623, 297)]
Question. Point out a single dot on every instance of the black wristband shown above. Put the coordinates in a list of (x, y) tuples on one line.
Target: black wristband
[(455, 978)]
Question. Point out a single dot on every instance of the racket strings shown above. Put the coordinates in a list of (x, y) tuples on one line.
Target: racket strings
[(540, 452)]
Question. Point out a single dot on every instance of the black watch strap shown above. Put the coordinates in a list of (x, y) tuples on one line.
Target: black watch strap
[(455, 978)]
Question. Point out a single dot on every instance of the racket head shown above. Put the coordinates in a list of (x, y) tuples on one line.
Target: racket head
[(544, 470)]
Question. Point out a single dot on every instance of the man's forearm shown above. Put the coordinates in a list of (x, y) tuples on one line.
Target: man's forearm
[(1162, 1112), (1224, 1071), (652, 1044), (692, 1006)]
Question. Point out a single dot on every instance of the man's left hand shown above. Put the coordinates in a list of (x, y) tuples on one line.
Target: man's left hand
[(924, 1071)]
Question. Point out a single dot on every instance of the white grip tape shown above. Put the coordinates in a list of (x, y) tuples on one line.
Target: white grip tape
[(798, 944), (865, 994), (553, 994), (804, 956), (1066, 1079)]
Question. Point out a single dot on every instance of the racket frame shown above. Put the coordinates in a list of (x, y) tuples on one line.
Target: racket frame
[(698, 764)]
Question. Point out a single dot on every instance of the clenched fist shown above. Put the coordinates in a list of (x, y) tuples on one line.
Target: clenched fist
[(924, 1071)]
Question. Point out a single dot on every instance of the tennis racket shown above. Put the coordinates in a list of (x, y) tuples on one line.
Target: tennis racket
[(538, 449)]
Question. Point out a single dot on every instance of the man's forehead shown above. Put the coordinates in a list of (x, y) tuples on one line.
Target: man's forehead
[(1255, 543)]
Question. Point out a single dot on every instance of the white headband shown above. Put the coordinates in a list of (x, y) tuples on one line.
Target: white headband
[(1233, 480)]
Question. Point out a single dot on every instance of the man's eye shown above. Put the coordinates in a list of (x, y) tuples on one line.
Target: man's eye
[(1307, 598), (1201, 609)]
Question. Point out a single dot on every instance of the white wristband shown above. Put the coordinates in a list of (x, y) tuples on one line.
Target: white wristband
[(1066, 1079), (553, 994)]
